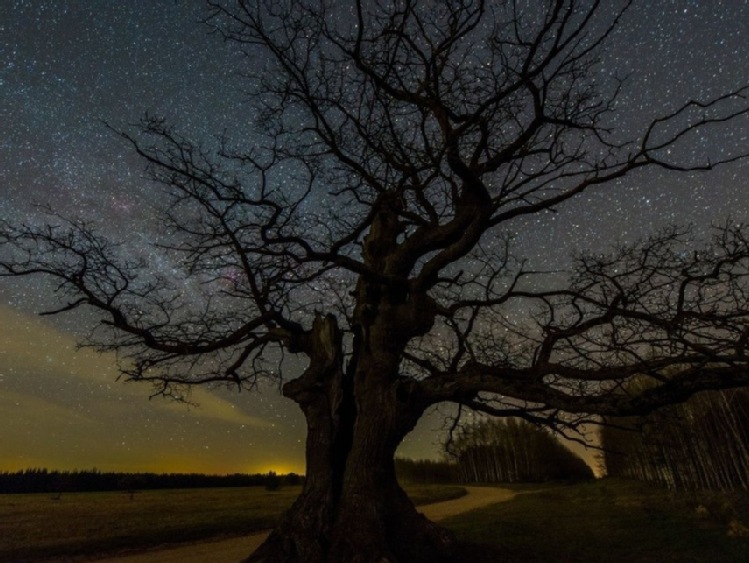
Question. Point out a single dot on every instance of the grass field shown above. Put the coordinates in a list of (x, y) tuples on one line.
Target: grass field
[(36, 527), (606, 521)]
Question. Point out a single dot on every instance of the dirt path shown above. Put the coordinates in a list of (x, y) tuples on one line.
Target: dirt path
[(476, 498), (236, 549)]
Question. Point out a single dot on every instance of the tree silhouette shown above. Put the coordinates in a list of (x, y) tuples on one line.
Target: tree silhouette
[(363, 229)]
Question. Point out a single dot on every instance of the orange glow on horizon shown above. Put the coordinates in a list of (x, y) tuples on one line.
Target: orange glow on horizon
[(12, 466)]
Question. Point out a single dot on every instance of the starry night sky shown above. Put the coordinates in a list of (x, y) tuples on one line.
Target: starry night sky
[(68, 66)]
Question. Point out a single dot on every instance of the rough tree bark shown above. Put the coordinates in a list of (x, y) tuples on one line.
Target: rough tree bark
[(352, 508)]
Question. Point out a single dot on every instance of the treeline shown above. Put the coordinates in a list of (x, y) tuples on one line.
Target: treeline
[(700, 444), (511, 450), (499, 451), (46, 481)]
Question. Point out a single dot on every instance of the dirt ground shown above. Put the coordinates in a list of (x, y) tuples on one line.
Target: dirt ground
[(236, 549)]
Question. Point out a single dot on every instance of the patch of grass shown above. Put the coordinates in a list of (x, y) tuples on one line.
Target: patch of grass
[(612, 521), (35, 527)]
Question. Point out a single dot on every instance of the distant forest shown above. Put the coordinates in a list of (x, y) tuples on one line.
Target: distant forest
[(499, 451), (55, 482), (702, 444)]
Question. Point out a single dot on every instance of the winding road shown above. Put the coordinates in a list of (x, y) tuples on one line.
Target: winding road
[(236, 549)]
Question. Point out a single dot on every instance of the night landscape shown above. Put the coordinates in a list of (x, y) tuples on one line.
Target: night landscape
[(383, 281)]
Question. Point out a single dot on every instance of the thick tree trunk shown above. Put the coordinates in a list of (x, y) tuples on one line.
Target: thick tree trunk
[(352, 509), (375, 520), (358, 515)]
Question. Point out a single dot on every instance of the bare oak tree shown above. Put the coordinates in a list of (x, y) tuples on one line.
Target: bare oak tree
[(363, 227)]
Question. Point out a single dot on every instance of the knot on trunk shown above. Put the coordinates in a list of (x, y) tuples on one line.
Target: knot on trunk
[(323, 345), (325, 338)]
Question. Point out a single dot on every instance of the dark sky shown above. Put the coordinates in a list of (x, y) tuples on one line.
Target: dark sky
[(67, 66)]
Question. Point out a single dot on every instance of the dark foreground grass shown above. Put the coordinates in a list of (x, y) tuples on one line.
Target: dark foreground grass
[(606, 521), (37, 527)]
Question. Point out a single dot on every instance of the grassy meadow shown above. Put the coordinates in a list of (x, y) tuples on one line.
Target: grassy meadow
[(38, 526), (606, 521)]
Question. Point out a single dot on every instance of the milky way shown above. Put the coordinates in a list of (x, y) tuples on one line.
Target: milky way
[(68, 68)]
